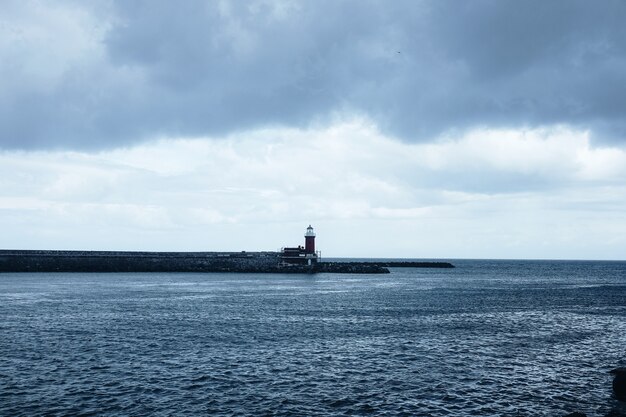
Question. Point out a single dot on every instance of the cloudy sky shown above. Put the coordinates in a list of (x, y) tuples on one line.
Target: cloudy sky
[(422, 129)]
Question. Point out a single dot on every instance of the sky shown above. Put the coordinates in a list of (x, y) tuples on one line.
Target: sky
[(410, 129)]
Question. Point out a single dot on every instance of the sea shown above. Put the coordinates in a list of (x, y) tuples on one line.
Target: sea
[(487, 338)]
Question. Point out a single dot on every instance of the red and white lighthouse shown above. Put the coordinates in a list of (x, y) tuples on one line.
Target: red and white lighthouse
[(309, 240)]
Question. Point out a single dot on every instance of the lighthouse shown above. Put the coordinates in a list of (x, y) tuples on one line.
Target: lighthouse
[(301, 255), (309, 240)]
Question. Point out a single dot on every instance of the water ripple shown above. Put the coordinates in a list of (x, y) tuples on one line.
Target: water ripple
[(535, 339)]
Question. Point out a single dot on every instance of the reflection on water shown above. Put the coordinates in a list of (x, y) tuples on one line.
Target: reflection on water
[(487, 338)]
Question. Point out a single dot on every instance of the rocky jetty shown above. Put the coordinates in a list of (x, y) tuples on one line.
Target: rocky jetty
[(411, 264), (259, 262), (361, 267), (350, 268), (112, 261)]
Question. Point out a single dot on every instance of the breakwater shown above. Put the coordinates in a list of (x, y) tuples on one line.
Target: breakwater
[(412, 264), (375, 267), (111, 261)]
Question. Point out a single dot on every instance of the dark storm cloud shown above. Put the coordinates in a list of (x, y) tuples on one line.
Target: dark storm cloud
[(416, 68)]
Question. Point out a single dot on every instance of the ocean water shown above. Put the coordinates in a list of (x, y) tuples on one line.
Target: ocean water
[(488, 338)]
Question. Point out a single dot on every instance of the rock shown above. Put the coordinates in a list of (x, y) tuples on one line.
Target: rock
[(619, 383), (350, 268)]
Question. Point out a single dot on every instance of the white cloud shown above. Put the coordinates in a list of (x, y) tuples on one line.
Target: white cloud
[(601, 164), (369, 195)]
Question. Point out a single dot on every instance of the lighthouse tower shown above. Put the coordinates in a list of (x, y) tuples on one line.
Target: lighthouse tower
[(309, 240)]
